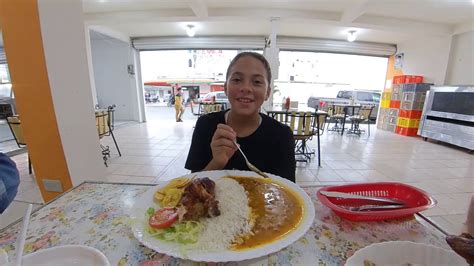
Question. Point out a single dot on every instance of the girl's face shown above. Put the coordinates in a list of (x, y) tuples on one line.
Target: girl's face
[(247, 86)]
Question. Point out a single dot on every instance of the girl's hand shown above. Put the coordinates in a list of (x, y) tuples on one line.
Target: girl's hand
[(222, 146)]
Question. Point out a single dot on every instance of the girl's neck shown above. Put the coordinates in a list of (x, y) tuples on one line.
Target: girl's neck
[(243, 125)]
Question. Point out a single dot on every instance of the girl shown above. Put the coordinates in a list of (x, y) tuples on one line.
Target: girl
[(268, 144)]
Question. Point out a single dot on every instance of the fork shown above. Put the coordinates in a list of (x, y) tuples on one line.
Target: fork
[(335, 194), (249, 165), (375, 207)]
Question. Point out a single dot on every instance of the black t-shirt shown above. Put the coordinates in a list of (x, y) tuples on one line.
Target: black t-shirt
[(271, 148)]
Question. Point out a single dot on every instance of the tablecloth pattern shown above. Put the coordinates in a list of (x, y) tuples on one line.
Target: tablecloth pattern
[(95, 214)]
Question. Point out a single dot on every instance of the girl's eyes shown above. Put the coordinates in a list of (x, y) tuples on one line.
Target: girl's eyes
[(255, 82)]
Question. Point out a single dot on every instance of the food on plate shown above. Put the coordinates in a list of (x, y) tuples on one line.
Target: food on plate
[(369, 263), (227, 213), (198, 200), (462, 245), (163, 218), (170, 195), (275, 209)]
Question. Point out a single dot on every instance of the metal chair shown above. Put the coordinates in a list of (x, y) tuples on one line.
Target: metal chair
[(337, 114), (303, 126), (282, 118), (206, 108), (14, 123), (363, 115), (104, 121)]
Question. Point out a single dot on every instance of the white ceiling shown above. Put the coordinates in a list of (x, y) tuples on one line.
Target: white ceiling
[(385, 21)]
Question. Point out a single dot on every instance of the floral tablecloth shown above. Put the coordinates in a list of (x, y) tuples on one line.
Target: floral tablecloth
[(95, 214)]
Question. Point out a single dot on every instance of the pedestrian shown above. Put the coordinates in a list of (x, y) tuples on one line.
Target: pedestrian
[(178, 105)]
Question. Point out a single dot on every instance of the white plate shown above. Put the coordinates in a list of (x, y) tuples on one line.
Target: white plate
[(403, 252), (173, 249), (66, 255)]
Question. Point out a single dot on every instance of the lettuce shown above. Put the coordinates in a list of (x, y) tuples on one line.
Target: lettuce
[(186, 232)]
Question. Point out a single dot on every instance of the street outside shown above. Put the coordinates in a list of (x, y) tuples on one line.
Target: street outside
[(162, 112)]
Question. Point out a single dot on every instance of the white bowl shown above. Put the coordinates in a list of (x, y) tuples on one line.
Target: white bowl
[(403, 252), (66, 255)]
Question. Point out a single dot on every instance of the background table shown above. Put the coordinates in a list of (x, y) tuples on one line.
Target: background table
[(273, 112), (347, 113), (96, 215)]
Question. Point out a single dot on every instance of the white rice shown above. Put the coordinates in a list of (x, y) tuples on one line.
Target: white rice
[(219, 232)]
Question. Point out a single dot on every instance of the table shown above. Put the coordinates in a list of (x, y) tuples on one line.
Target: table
[(346, 112), (273, 112), (96, 215)]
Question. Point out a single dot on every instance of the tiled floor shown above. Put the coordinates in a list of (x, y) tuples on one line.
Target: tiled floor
[(157, 150)]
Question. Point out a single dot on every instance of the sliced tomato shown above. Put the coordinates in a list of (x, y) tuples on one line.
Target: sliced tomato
[(163, 218)]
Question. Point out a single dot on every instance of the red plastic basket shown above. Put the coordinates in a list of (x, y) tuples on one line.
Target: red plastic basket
[(416, 199)]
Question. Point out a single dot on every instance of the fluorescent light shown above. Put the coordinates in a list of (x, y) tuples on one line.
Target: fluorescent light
[(190, 30), (351, 35)]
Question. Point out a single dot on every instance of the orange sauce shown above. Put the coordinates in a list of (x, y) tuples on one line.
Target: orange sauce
[(275, 209)]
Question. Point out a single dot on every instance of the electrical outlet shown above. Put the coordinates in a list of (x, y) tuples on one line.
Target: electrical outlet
[(52, 185)]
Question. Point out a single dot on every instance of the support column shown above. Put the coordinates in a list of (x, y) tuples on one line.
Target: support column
[(46, 51), (271, 53), (87, 33)]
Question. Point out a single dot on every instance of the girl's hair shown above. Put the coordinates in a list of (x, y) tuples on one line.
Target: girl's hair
[(257, 56)]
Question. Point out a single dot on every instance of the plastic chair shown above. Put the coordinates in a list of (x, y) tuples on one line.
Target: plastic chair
[(14, 123)]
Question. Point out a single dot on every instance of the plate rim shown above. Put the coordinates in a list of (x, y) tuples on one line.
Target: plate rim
[(395, 242), (231, 255), (90, 249)]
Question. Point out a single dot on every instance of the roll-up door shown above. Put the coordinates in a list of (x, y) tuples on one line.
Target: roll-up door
[(177, 43), (335, 46), (258, 42)]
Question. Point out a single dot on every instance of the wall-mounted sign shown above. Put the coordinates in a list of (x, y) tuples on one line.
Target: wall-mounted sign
[(399, 61)]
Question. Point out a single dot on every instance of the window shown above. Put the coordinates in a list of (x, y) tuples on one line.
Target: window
[(322, 75), (221, 96), (376, 97), (364, 96), (346, 95)]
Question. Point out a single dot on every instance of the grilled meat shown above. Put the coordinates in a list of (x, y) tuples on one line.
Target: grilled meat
[(463, 245), (199, 200)]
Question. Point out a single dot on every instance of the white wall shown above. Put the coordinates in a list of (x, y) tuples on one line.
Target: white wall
[(461, 60), (114, 85), (426, 56), (62, 30)]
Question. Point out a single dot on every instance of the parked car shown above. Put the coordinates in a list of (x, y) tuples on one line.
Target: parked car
[(216, 96), (362, 97), (152, 98)]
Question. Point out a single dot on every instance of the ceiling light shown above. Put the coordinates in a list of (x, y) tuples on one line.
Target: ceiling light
[(351, 35), (190, 30)]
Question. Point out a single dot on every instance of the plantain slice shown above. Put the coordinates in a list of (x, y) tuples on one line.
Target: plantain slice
[(178, 182), (172, 197), (159, 196)]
